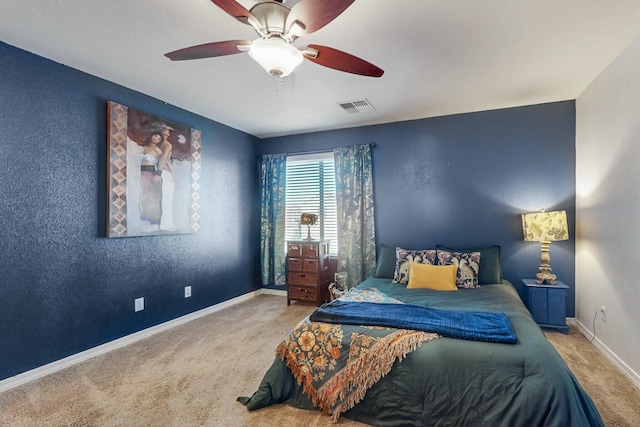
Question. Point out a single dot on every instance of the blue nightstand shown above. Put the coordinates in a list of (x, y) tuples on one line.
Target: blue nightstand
[(547, 304)]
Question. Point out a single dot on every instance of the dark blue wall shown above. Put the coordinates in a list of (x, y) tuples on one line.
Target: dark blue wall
[(464, 180), (64, 286)]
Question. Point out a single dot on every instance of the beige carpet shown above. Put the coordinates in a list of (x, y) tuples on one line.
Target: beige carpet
[(192, 374), (616, 397)]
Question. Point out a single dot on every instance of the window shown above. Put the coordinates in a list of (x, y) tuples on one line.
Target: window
[(311, 188)]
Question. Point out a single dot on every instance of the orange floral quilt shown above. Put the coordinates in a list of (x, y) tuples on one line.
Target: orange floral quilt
[(336, 364)]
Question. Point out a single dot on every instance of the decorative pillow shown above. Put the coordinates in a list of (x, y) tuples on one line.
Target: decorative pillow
[(468, 265), (490, 270), (436, 277), (386, 262), (404, 257)]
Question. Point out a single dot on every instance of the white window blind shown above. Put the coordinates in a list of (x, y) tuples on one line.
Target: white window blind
[(311, 188)]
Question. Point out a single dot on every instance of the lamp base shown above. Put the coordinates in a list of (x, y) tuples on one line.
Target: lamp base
[(545, 275), (544, 271), (308, 233)]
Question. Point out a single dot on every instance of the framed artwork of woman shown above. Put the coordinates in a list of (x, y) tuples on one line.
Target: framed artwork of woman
[(153, 172)]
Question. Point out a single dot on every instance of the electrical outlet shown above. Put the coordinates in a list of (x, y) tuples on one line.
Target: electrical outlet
[(187, 291), (603, 310), (139, 304)]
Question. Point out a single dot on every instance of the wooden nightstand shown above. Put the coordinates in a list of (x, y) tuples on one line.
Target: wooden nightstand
[(308, 271), (547, 304)]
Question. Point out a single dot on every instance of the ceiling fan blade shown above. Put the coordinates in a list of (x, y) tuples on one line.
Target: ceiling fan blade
[(308, 16), (342, 61), (209, 50), (235, 9)]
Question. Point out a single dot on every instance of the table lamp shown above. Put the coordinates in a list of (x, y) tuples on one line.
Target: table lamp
[(545, 227), (308, 219)]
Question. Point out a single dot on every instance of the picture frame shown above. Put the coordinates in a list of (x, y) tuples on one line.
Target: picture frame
[(153, 174)]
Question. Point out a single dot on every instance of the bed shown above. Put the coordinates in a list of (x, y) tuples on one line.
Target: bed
[(429, 379)]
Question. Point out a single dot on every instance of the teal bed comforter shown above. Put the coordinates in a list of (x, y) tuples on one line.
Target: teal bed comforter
[(457, 382)]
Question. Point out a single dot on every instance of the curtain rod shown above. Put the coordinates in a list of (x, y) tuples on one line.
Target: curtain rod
[(300, 153)]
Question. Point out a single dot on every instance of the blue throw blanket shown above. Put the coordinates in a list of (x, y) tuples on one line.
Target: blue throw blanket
[(476, 326)]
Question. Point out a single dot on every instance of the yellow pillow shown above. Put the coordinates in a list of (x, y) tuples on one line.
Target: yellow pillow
[(436, 277)]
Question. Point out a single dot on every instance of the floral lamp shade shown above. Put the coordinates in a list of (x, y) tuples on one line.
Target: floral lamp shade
[(308, 219), (545, 227)]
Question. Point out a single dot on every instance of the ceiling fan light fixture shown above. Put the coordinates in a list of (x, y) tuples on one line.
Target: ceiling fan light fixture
[(275, 55)]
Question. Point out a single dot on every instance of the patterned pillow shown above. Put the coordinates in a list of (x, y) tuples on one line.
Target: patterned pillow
[(490, 270), (404, 257), (468, 266)]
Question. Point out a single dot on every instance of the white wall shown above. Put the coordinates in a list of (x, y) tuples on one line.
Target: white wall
[(608, 210)]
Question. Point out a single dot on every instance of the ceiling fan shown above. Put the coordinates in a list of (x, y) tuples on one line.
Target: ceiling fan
[(279, 26)]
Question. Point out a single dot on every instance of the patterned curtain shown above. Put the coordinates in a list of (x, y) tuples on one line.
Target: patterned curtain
[(273, 172), (354, 202)]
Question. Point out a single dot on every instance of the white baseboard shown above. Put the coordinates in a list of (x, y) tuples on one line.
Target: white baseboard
[(74, 359), (280, 292), (619, 363)]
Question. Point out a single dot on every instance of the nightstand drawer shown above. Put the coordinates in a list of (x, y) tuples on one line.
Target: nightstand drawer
[(295, 264), (294, 249), (556, 304), (302, 293), (538, 305), (310, 265), (310, 250), (303, 279)]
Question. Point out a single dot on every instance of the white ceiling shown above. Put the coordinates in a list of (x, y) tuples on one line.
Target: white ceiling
[(440, 57)]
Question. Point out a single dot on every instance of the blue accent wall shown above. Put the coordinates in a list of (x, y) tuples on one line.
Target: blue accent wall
[(64, 286), (464, 180)]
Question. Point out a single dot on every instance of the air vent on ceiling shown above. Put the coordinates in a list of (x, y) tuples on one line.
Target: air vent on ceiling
[(357, 106)]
